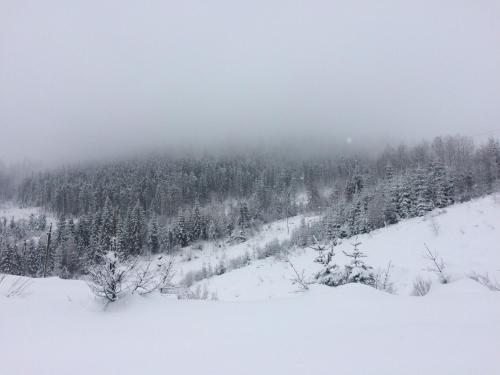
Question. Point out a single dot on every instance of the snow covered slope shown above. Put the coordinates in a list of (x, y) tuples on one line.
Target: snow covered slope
[(10, 210), (262, 325), (466, 236)]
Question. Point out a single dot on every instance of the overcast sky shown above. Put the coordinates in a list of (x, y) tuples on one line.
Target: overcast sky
[(85, 78)]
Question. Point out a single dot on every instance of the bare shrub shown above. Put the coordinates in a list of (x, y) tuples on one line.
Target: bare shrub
[(114, 278), (154, 275), (109, 279), (299, 277), (238, 262), (273, 248), (438, 265), (421, 287), (201, 292), (383, 280), (485, 280), (17, 288), (434, 225)]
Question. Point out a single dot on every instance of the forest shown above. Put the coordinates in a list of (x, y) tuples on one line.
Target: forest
[(160, 204)]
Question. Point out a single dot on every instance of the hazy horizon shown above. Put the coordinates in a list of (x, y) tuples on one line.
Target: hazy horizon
[(87, 79)]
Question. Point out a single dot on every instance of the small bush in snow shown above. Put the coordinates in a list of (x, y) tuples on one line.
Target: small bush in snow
[(222, 267), (273, 248), (438, 265), (201, 292), (108, 279), (383, 280), (197, 246), (485, 280), (357, 271), (421, 287), (114, 278), (238, 262), (153, 275), (299, 277), (192, 277)]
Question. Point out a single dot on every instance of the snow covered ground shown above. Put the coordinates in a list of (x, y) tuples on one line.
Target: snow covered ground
[(262, 325), (9, 210), (212, 253), (466, 236), (353, 329)]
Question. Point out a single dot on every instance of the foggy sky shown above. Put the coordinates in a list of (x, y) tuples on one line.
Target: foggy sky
[(86, 78)]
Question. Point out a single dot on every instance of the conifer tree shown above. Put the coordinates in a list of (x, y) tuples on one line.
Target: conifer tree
[(9, 260), (154, 239), (244, 216), (181, 235), (136, 229), (330, 274), (106, 230), (33, 259), (196, 222), (212, 231), (357, 271)]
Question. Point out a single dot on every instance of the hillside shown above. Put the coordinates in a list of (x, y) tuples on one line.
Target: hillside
[(464, 235), (262, 325)]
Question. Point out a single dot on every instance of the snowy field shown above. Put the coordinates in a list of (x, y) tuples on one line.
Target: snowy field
[(262, 324)]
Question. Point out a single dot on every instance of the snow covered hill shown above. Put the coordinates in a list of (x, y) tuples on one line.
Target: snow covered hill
[(466, 236), (262, 325)]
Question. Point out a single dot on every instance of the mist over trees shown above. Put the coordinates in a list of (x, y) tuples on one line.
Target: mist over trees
[(160, 204)]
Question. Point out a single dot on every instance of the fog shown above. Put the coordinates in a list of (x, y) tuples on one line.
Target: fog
[(85, 78)]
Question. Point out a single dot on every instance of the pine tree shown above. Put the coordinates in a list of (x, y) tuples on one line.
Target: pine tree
[(314, 201), (357, 271), (421, 189), (330, 274), (181, 234), (33, 259), (61, 230), (48, 256), (136, 229), (406, 206), (389, 172), (122, 242), (212, 231), (154, 239), (106, 230), (196, 222), (438, 185), (9, 260), (244, 216)]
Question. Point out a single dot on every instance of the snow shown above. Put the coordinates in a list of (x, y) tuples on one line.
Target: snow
[(467, 239), (353, 329), (263, 325), (9, 210), (213, 252)]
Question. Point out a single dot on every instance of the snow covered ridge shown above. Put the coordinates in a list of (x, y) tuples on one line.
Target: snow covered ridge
[(263, 325)]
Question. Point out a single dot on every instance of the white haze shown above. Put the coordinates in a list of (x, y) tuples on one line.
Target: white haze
[(82, 79)]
